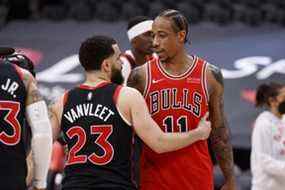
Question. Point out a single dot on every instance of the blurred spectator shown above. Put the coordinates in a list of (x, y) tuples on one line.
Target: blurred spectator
[(268, 139)]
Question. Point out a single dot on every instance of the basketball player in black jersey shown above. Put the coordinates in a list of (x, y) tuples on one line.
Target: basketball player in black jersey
[(99, 119), (20, 100)]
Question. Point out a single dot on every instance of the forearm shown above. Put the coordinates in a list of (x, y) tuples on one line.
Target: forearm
[(41, 158), (222, 148), (41, 141), (174, 141)]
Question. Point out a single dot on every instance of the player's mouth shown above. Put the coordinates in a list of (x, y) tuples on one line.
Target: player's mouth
[(159, 53)]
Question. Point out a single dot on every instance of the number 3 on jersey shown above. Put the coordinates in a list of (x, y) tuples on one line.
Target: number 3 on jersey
[(104, 132), (13, 109)]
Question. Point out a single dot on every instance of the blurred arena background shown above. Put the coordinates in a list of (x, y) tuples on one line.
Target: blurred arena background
[(246, 38)]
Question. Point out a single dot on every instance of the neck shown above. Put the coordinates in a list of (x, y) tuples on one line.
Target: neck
[(95, 77), (179, 63), (276, 113), (140, 58)]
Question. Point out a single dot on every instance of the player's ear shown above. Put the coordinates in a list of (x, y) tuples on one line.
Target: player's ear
[(181, 36), (106, 66)]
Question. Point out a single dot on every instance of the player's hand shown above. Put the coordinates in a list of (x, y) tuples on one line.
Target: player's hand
[(204, 127)]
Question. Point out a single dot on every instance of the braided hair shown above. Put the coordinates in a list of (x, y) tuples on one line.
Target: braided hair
[(179, 21)]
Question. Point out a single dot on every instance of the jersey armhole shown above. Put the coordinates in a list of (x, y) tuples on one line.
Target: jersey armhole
[(115, 99), (116, 94), (147, 79), (204, 82), (65, 98), (130, 60)]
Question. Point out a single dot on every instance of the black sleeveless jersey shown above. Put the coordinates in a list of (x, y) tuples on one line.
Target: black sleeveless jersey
[(12, 114), (100, 143)]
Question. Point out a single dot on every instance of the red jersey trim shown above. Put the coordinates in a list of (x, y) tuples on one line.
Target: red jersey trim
[(65, 98), (132, 159), (204, 82), (130, 60), (87, 87), (184, 75), (116, 94), (148, 78)]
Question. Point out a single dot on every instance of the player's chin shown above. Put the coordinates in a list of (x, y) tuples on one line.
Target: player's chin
[(161, 56)]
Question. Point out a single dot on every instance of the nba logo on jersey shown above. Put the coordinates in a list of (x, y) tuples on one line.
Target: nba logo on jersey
[(89, 96)]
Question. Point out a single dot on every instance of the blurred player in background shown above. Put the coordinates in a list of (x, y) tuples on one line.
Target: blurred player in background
[(22, 104)]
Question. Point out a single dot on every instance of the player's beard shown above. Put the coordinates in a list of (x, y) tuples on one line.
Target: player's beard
[(117, 76), (166, 59)]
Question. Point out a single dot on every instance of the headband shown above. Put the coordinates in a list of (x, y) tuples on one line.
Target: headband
[(139, 29)]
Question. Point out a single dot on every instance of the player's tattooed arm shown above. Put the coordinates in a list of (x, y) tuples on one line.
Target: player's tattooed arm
[(220, 135), (216, 72), (51, 112), (54, 112), (137, 79), (33, 93)]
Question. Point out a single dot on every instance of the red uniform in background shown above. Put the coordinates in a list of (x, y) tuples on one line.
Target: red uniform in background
[(177, 104)]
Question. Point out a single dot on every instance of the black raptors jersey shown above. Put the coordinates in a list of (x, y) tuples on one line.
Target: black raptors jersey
[(100, 142), (12, 112)]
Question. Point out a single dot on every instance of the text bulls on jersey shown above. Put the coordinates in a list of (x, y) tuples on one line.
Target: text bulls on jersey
[(165, 99)]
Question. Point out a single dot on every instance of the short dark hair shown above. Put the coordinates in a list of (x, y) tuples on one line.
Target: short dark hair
[(94, 50), (135, 20), (179, 21), (266, 91)]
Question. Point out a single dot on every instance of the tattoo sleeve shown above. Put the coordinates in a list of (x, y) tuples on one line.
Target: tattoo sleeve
[(34, 94), (51, 114), (220, 135), (216, 72), (137, 79)]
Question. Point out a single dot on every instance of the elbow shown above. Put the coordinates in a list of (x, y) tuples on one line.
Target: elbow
[(159, 146), (159, 150)]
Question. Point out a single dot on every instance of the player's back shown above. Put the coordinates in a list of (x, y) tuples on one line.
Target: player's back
[(100, 142), (177, 104), (12, 111)]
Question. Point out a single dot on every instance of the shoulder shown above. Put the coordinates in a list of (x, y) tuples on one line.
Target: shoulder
[(26, 76), (215, 73), (140, 70), (263, 121), (127, 57), (128, 98), (215, 79), (264, 117), (137, 78), (128, 92), (57, 105)]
